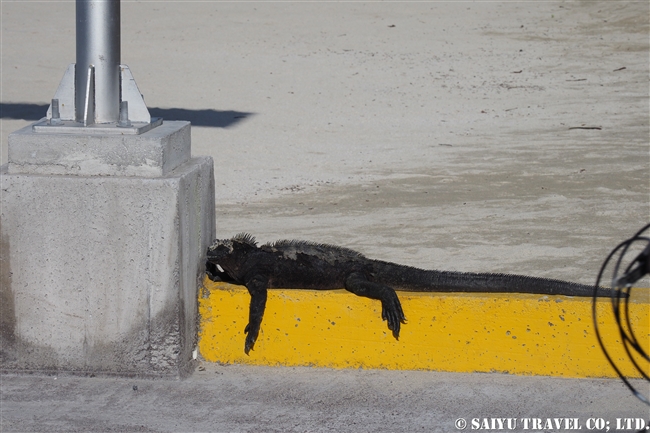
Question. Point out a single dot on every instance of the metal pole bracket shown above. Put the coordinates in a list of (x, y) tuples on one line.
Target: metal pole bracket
[(136, 120)]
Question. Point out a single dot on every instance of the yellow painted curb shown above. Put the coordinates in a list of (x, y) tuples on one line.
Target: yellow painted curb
[(517, 334)]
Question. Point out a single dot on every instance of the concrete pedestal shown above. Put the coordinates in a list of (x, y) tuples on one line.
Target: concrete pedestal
[(100, 273)]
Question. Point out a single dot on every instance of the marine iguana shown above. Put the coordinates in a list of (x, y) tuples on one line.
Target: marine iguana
[(293, 264)]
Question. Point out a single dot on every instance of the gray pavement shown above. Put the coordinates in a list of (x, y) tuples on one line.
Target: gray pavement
[(267, 399), (489, 136)]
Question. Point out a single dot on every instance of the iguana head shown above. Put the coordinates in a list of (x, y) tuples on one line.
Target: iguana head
[(220, 248), (223, 248)]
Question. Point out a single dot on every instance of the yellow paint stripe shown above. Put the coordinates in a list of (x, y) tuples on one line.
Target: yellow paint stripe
[(517, 334)]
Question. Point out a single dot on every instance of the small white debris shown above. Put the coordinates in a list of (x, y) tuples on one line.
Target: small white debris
[(220, 268)]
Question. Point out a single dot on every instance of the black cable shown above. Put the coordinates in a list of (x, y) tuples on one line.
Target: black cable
[(622, 291)]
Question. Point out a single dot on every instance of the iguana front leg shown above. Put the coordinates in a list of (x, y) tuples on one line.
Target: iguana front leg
[(391, 308), (256, 286)]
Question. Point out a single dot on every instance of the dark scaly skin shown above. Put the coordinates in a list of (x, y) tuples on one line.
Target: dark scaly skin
[(307, 265)]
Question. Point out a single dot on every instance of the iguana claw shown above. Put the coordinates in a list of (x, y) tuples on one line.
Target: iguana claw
[(251, 338)]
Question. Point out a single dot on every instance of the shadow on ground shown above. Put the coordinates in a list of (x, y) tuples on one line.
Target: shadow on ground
[(206, 117)]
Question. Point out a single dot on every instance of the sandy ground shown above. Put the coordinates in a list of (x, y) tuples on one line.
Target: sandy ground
[(433, 134), (447, 135)]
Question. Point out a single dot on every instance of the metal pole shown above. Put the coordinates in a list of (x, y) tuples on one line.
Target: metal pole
[(98, 45)]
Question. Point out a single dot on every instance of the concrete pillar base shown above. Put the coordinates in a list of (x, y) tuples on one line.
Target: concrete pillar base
[(100, 273)]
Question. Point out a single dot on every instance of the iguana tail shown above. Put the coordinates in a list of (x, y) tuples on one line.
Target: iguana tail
[(411, 279)]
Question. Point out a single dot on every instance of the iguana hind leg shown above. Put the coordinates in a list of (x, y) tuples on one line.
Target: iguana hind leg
[(391, 308), (257, 288)]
